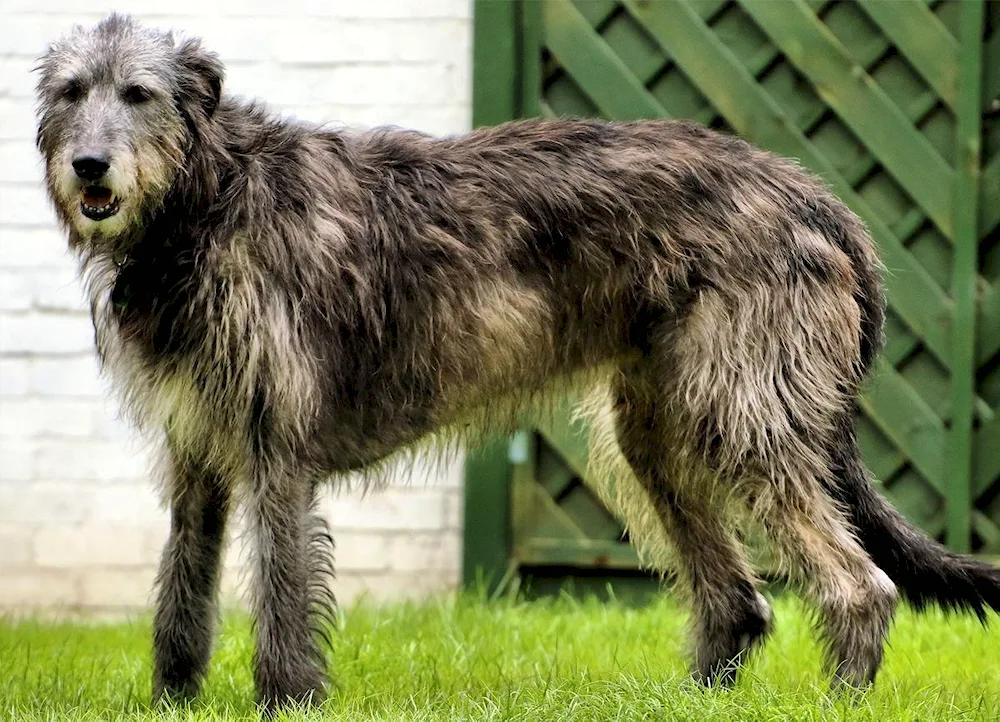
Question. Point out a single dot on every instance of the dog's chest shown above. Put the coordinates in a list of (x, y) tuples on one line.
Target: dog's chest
[(179, 406), (185, 409)]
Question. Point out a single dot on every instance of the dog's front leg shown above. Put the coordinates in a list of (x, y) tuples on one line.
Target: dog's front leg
[(187, 582), (290, 592)]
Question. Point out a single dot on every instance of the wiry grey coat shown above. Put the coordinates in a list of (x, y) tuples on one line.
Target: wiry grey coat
[(287, 303)]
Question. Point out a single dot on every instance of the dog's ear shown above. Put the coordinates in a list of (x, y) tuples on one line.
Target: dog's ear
[(200, 80)]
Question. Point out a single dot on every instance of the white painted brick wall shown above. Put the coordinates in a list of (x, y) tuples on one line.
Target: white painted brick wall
[(80, 526)]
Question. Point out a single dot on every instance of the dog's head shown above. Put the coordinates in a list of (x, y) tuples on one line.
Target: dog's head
[(120, 106)]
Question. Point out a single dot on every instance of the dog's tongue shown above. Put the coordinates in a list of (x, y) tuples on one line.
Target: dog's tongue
[(96, 197)]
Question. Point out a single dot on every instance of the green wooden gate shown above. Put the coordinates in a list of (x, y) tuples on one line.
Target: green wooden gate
[(896, 103)]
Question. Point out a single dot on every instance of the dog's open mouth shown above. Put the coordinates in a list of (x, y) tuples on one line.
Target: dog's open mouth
[(98, 203)]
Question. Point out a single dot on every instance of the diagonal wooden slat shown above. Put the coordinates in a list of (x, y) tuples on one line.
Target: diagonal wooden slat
[(648, 66), (918, 300), (861, 103), (595, 12), (906, 419), (991, 68), (922, 39), (935, 526), (987, 529), (883, 465), (554, 475), (543, 506), (989, 192), (916, 110), (987, 450), (570, 442), (595, 68), (988, 333)]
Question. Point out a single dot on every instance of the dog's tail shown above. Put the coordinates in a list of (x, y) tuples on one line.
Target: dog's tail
[(924, 571)]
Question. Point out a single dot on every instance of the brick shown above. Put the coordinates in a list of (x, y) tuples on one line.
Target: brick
[(15, 290), (58, 290), (36, 588), (260, 80), (92, 545), (24, 204), (413, 84), (393, 509), (75, 376), (454, 509), (383, 587), (34, 246), (366, 84), (14, 374), (135, 504), (360, 551), (20, 161), (390, 9), (447, 40), (26, 35), (261, 8), (17, 119), (15, 546), (45, 333), (18, 463), (16, 77), (240, 39), (424, 552), (324, 41), (121, 588), (110, 425), (43, 502), (47, 417), (91, 459)]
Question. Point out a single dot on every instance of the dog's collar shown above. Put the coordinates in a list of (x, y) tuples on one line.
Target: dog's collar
[(120, 291)]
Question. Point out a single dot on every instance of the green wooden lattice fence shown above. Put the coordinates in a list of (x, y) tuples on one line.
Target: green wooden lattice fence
[(896, 103)]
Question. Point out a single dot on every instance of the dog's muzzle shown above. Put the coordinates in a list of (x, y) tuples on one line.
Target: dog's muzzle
[(97, 202)]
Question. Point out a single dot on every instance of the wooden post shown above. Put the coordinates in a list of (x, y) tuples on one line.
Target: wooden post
[(964, 270)]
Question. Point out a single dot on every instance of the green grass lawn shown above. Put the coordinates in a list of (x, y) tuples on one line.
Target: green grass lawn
[(555, 659)]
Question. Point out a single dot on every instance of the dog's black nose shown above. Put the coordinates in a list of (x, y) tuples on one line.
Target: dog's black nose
[(91, 167)]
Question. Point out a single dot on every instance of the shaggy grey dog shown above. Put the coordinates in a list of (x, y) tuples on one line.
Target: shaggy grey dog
[(286, 304)]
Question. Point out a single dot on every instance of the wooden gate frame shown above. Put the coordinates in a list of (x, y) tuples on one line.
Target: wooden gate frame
[(507, 77)]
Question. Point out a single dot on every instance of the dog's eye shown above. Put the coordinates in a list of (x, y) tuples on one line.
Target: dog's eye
[(136, 94), (72, 92)]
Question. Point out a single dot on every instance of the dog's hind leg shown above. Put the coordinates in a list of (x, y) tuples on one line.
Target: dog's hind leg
[(855, 598), (290, 591), (731, 618), (760, 378), (187, 583)]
